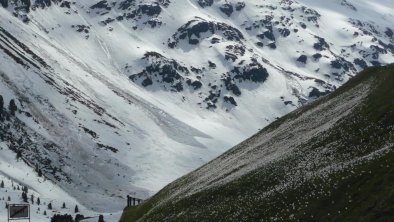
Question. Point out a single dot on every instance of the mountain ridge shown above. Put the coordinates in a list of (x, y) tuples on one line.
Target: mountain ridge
[(341, 171)]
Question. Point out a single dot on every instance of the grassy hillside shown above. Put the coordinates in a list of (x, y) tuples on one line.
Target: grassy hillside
[(332, 160)]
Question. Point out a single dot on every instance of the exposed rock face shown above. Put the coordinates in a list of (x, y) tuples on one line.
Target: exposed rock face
[(162, 70), (227, 9), (205, 3), (196, 30), (302, 59)]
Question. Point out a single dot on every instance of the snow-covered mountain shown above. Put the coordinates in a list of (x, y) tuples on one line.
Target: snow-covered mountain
[(125, 96)]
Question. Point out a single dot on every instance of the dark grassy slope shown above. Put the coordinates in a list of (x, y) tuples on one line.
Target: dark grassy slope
[(332, 160)]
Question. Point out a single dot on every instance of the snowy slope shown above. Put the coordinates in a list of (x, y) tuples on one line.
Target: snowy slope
[(126, 96)]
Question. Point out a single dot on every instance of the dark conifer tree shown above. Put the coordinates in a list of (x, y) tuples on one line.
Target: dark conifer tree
[(54, 170), (18, 154), (24, 197), (62, 218), (2, 184), (38, 201), (76, 210), (4, 3), (50, 206), (64, 205), (12, 107), (1, 104)]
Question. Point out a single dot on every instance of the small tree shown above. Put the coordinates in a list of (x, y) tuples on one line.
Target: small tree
[(64, 205), (2, 184), (9, 198), (32, 199), (24, 197), (18, 155), (76, 210), (39, 173), (12, 107), (50, 206), (1, 107), (54, 170), (45, 212), (38, 201), (1, 104)]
